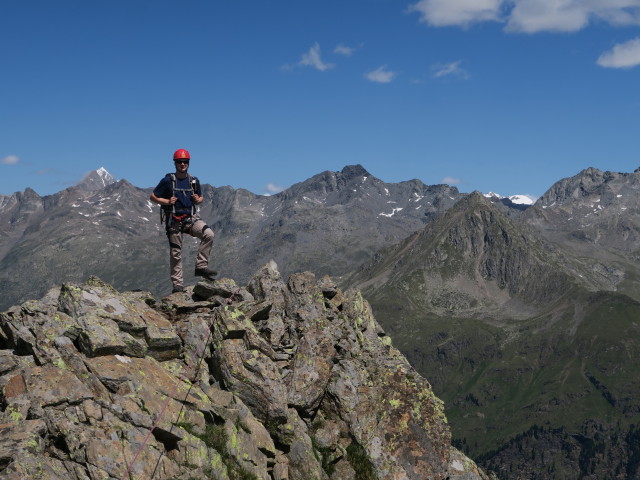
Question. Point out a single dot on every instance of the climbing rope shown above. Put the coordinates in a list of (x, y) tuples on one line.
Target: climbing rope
[(182, 377)]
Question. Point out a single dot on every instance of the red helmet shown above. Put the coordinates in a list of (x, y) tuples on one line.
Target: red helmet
[(181, 154)]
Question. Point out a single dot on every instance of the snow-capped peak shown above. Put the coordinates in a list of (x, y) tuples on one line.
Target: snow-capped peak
[(522, 199), (105, 176), (517, 199), (493, 195), (96, 180)]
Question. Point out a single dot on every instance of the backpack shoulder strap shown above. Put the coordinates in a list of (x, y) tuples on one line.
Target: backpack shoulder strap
[(173, 190), (191, 178)]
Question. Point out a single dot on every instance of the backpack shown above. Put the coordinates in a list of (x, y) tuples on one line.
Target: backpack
[(167, 211)]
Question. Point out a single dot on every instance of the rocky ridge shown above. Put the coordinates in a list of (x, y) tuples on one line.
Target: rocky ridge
[(276, 380), (595, 214)]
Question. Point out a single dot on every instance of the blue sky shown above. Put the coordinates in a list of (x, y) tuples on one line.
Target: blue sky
[(490, 95)]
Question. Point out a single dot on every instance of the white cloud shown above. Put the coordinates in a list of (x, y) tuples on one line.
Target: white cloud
[(451, 181), (440, 13), (344, 50), (529, 16), (570, 15), (544, 15), (623, 55), (10, 160), (312, 59), (272, 188), (380, 75), (448, 69)]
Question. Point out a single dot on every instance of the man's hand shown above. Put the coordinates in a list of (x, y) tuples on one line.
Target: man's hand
[(197, 198), (163, 201)]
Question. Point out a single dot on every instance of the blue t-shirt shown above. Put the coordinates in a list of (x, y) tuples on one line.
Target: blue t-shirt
[(182, 192)]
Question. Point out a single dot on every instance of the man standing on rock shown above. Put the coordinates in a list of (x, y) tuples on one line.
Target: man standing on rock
[(178, 194)]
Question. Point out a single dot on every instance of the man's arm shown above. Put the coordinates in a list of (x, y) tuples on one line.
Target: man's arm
[(162, 201)]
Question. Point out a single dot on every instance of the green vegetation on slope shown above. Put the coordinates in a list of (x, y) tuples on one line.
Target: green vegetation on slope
[(555, 371)]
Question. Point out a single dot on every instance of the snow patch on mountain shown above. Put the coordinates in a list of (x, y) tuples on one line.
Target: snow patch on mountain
[(96, 180), (106, 177), (517, 199), (395, 210)]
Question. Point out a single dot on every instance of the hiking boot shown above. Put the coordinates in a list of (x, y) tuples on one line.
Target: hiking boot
[(177, 289), (206, 273)]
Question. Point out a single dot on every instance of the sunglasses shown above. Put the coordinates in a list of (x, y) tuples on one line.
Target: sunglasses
[(182, 161)]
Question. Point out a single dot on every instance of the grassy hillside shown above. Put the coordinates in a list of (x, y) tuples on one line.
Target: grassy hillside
[(556, 371)]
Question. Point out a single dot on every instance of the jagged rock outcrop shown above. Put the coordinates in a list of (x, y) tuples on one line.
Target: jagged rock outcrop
[(279, 380)]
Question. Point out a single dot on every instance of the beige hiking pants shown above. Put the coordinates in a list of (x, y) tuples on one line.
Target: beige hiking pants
[(198, 229)]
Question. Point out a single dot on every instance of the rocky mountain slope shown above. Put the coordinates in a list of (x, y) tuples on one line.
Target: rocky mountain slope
[(596, 215), (329, 223), (276, 380), (96, 180), (530, 342), (477, 262), (599, 207)]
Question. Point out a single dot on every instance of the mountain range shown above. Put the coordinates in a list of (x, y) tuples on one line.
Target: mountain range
[(329, 223), (521, 315)]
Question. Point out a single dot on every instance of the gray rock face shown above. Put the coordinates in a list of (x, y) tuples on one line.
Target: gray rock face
[(283, 380), (595, 214), (96, 180)]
